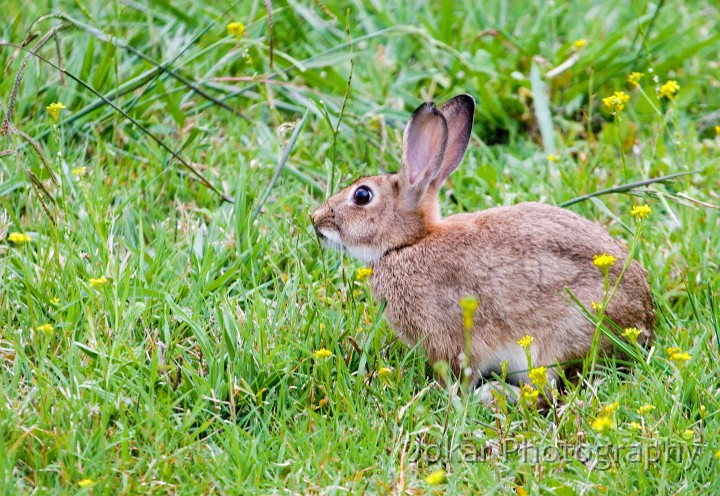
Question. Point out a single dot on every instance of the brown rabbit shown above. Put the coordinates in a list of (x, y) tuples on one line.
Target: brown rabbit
[(517, 261)]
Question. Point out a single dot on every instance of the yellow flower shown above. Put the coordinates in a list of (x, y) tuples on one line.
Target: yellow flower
[(632, 333), (435, 478), (529, 394), (717, 129), (553, 158), (634, 426), (688, 434), (703, 410), (525, 341), (363, 273), (680, 358), (56, 300), (54, 110), (596, 306), (580, 43), (635, 77), (717, 454), (669, 90), (86, 482), (79, 171), (19, 238), (323, 353), (46, 328), (521, 491), (323, 402), (646, 408), (610, 409), (602, 423), (616, 102), (538, 376), (469, 305), (237, 29), (97, 282), (640, 211), (604, 261), (385, 371)]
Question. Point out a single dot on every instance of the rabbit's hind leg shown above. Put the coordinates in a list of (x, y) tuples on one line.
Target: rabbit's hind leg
[(489, 391)]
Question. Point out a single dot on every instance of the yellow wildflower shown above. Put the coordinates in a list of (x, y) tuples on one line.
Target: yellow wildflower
[(680, 358), (19, 238), (469, 305), (86, 483), (237, 29), (580, 43), (384, 372), (96, 282), (632, 333), (717, 454), (521, 491), (703, 410), (604, 261), (634, 426), (610, 409), (529, 394), (46, 328), (323, 353), (553, 158), (363, 273), (717, 129), (688, 434), (596, 306), (646, 408), (640, 211), (56, 300), (54, 110), (616, 102), (323, 402), (538, 376), (435, 478), (602, 423), (525, 341), (669, 90), (79, 171), (634, 78)]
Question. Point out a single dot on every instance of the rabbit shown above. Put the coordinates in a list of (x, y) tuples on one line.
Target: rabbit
[(517, 261)]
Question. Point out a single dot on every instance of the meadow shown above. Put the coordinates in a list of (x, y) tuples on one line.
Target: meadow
[(169, 323)]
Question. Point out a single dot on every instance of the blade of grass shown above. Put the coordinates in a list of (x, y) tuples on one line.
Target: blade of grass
[(281, 164), (625, 187)]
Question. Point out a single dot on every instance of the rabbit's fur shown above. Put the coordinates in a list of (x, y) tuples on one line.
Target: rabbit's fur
[(517, 261)]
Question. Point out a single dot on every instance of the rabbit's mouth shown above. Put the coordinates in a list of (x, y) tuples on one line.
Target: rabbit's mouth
[(329, 238)]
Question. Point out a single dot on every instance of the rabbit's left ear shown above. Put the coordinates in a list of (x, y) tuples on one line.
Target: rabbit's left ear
[(459, 113), (424, 143)]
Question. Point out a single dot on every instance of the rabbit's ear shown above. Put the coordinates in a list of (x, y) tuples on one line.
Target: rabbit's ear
[(459, 113), (424, 145)]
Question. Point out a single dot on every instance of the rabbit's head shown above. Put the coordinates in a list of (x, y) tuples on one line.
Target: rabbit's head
[(376, 214)]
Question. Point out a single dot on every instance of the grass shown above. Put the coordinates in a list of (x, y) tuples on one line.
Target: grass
[(191, 367)]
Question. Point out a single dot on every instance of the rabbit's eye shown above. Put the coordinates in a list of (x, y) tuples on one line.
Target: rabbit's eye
[(362, 195)]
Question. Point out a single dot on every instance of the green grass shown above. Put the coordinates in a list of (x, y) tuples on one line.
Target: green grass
[(192, 370)]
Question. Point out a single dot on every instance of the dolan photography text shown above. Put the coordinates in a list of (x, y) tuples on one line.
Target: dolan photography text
[(598, 456)]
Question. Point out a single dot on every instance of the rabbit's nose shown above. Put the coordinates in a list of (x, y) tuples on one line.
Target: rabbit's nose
[(319, 213), (314, 217)]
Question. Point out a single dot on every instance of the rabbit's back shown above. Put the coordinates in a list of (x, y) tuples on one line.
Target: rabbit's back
[(518, 261)]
